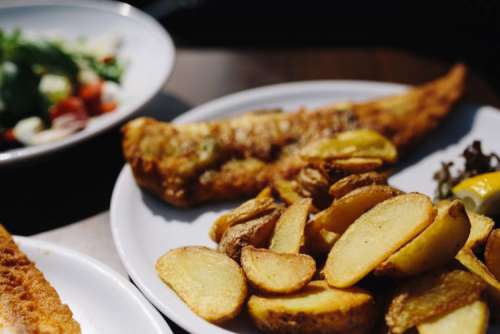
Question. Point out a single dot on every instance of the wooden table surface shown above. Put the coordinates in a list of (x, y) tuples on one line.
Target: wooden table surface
[(73, 185), (204, 74)]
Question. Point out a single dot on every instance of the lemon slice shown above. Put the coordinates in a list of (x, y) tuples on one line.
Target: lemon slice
[(480, 193)]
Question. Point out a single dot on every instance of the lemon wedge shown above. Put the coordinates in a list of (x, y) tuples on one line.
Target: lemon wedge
[(480, 193)]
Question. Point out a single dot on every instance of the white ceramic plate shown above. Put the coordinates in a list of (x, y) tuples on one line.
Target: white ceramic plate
[(144, 228), (101, 300), (147, 49)]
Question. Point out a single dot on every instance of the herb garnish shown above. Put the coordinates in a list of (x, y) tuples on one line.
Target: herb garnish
[(476, 162)]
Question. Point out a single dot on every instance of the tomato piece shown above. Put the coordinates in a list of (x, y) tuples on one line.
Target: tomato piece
[(90, 93), (9, 135), (71, 104), (108, 106)]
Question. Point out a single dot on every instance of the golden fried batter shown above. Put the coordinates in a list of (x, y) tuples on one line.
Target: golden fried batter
[(28, 303), (187, 164)]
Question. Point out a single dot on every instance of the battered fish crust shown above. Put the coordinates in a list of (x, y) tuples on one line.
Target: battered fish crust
[(28, 303), (188, 164)]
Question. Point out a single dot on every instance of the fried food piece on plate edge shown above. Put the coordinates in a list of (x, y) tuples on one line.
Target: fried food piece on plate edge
[(28, 302), (189, 164)]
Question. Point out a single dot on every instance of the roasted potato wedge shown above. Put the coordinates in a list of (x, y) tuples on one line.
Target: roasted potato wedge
[(287, 191), (273, 272), (357, 165), (313, 182), (256, 232), (317, 309), (347, 184), (492, 253), (469, 260), (376, 235), (431, 296), (319, 241), (481, 227), (344, 211), (361, 143), (288, 234), (435, 246), (209, 282), (469, 319), (267, 192), (251, 209)]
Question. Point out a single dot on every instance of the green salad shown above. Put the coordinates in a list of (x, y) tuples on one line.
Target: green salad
[(50, 88)]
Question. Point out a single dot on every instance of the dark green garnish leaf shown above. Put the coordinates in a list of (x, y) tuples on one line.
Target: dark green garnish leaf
[(111, 69), (475, 163), (19, 94)]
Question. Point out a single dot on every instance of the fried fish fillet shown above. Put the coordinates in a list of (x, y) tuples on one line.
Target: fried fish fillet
[(28, 303), (188, 164)]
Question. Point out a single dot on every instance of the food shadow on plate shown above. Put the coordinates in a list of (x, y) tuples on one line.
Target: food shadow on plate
[(456, 126), (171, 213)]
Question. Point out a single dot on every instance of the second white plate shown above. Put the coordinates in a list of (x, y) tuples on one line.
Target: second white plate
[(101, 300), (145, 228), (147, 50)]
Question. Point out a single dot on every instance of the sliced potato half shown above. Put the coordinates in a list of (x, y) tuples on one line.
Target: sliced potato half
[(209, 282), (274, 272), (347, 184), (256, 232), (469, 319), (344, 211), (288, 234), (286, 191), (376, 235), (317, 309), (430, 296), (251, 209), (434, 247)]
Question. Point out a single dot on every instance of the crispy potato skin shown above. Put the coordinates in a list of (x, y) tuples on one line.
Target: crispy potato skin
[(273, 272), (347, 184), (317, 309), (492, 253), (430, 296), (256, 232), (210, 283), (250, 209), (189, 164)]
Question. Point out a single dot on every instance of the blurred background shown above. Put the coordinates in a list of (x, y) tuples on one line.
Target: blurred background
[(224, 46)]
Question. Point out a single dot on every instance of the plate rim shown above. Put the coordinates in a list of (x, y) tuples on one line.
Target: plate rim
[(11, 157), (103, 269), (193, 114)]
